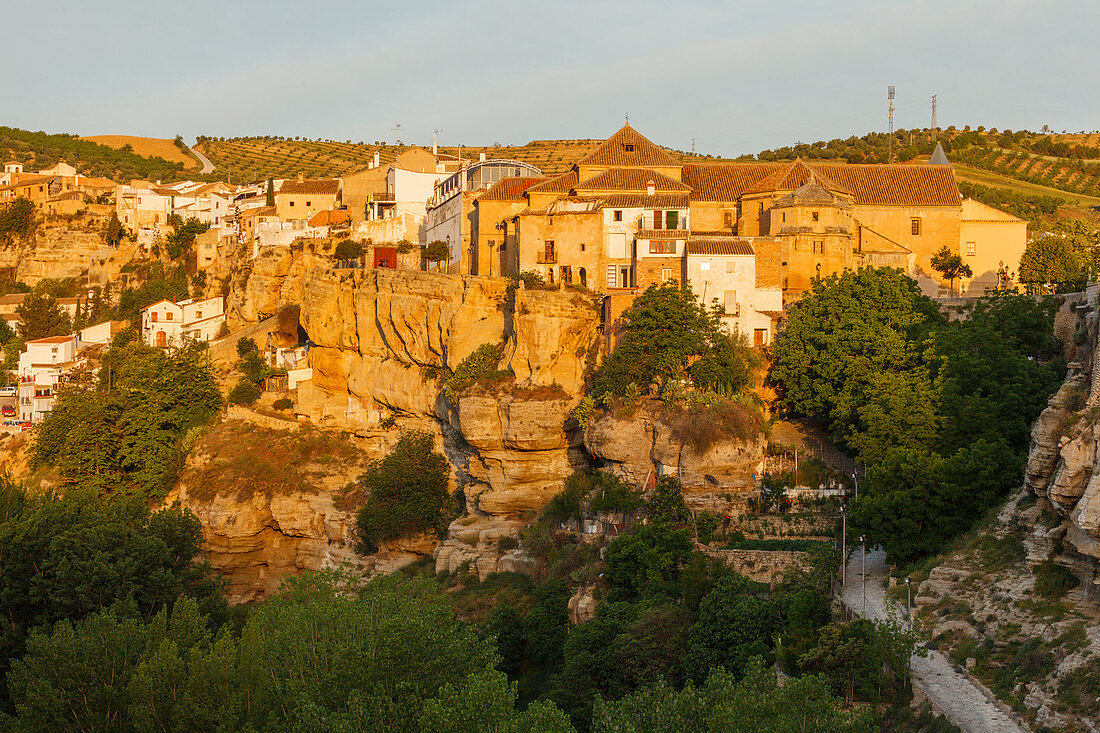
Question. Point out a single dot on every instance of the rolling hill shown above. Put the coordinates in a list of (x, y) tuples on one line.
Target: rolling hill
[(38, 150)]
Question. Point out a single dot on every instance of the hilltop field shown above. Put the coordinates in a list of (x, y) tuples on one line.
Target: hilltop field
[(149, 147)]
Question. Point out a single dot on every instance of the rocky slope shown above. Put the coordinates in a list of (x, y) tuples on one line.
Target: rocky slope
[(64, 248)]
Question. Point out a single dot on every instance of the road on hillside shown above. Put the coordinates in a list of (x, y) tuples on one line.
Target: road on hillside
[(207, 166), (961, 698)]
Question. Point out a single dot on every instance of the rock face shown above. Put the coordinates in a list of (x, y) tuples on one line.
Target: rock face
[(646, 443), (274, 278), (1062, 461), (62, 249)]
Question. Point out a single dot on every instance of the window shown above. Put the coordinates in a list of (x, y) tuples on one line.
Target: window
[(761, 207), (168, 316), (617, 216), (666, 274), (731, 268), (727, 219), (662, 247), (658, 218), (625, 277), (816, 216), (155, 314), (819, 248), (672, 220), (309, 203), (970, 249), (759, 336), (198, 315), (915, 227), (582, 246), (291, 203), (784, 215), (731, 306), (704, 266), (628, 147), (612, 276)]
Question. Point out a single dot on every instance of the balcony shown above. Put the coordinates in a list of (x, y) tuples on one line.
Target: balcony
[(547, 258)]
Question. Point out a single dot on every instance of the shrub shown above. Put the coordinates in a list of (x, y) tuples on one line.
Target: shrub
[(283, 403), (348, 249), (666, 504), (244, 393), (406, 493), (1053, 581), (481, 364), (437, 251)]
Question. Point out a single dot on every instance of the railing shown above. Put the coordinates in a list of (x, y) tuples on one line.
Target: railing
[(547, 258)]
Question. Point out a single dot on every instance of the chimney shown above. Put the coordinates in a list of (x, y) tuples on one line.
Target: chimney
[(650, 188), (482, 157), (435, 148), (301, 177), (375, 159)]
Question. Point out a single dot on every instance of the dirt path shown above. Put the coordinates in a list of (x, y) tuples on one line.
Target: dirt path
[(962, 700)]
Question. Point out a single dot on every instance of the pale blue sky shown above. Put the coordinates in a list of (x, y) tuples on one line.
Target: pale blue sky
[(736, 76)]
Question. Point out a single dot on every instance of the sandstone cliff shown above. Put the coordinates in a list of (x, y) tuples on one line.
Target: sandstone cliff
[(65, 248), (1062, 462)]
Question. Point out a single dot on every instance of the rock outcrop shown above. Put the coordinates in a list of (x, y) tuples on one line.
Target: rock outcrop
[(1062, 461), (647, 443), (62, 249)]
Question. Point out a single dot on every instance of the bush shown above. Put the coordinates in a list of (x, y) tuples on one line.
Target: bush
[(437, 251), (481, 364), (1053, 581), (244, 393), (349, 250), (406, 493), (283, 403)]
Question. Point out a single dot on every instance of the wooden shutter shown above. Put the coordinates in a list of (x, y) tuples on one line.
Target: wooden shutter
[(672, 219)]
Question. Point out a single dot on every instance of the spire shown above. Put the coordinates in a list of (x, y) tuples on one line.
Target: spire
[(938, 156)]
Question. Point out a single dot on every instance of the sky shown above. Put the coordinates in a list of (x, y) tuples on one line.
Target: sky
[(734, 77)]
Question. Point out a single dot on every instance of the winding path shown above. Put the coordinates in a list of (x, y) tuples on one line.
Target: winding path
[(207, 166), (963, 700)]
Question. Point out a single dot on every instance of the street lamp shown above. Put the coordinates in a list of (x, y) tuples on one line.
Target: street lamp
[(863, 591), (843, 545), (908, 601)]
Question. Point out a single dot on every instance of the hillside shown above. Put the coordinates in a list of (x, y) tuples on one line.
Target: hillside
[(150, 147), (38, 150), (255, 158)]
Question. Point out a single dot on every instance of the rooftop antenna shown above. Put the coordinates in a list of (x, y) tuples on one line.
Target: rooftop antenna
[(397, 127), (693, 146), (627, 116), (890, 96)]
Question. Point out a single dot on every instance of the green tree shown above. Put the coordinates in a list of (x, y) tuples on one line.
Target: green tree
[(41, 316), (406, 492), (666, 329), (114, 231), (485, 701), (736, 622), (270, 200), (17, 220), (666, 504), (349, 249), (1050, 263), (647, 561), (437, 251), (950, 265)]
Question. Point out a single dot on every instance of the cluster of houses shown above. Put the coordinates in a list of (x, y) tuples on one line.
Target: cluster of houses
[(750, 237)]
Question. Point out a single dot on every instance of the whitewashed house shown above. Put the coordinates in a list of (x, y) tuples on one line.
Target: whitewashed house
[(42, 366), (174, 324), (721, 267)]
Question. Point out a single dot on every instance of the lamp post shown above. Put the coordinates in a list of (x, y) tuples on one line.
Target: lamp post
[(908, 601), (863, 590), (843, 544)]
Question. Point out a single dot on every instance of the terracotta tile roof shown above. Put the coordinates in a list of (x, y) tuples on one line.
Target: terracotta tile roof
[(628, 148), (630, 179), (259, 211), (321, 186), (811, 194), (662, 234), (715, 243), (645, 201), (793, 176), (510, 189), (562, 184), (28, 181), (724, 181), (13, 299), (52, 340), (896, 185), (330, 218)]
